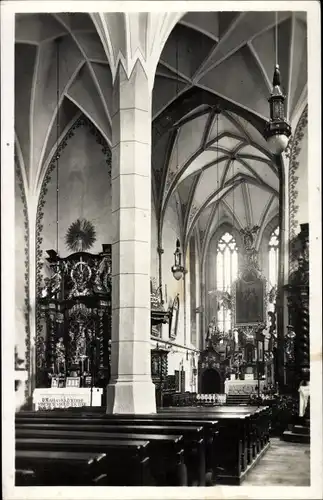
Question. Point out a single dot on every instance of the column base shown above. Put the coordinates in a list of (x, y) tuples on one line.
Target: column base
[(131, 396)]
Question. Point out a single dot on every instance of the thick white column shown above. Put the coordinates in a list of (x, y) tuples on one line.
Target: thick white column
[(131, 389)]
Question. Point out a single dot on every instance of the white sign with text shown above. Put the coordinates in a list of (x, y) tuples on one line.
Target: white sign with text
[(68, 397)]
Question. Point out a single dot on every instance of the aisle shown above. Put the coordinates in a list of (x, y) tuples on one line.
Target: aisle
[(284, 463)]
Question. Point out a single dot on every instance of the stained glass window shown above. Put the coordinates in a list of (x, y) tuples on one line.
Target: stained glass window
[(226, 274)]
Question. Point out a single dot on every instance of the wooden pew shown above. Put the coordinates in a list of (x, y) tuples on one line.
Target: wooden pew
[(48, 468), (127, 462), (259, 426), (199, 467), (259, 423), (251, 441), (25, 476), (165, 451), (255, 427), (230, 447), (194, 446)]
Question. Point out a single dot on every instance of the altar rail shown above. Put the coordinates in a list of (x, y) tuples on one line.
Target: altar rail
[(205, 399)]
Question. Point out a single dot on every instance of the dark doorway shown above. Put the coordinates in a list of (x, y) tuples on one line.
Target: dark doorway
[(211, 382)]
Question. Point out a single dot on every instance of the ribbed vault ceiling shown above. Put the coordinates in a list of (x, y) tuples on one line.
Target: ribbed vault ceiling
[(218, 164)]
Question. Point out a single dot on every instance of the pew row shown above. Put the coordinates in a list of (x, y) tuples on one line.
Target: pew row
[(166, 464), (37, 468), (199, 449), (123, 463), (230, 453), (194, 443)]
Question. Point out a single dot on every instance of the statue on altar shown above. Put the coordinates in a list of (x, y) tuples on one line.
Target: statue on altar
[(53, 284), (102, 276), (211, 329), (80, 346), (250, 252), (213, 335), (60, 356), (78, 342)]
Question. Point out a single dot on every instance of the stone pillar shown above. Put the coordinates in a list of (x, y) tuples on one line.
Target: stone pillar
[(131, 389), (281, 299)]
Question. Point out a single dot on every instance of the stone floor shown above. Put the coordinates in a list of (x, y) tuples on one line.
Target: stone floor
[(286, 464)]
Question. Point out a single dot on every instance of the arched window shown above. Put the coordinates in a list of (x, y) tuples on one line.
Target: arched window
[(273, 257), (226, 274)]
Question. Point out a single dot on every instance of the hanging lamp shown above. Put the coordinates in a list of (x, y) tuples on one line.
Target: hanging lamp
[(177, 268), (277, 130)]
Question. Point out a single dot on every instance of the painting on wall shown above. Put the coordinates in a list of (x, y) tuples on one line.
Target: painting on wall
[(173, 323), (249, 303)]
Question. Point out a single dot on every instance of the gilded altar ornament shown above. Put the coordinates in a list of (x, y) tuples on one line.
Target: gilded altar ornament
[(102, 275), (81, 274), (41, 352), (80, 236)]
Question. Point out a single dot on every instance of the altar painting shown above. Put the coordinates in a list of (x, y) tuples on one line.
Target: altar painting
[(249, 303)]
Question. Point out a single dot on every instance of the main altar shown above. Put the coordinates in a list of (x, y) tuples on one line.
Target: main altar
[(74, 330), (239, 361)]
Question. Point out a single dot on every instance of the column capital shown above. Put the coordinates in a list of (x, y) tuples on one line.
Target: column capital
[(131, 91), (129, 37)]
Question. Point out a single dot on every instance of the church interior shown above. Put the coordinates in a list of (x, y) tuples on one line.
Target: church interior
[(161, 248)]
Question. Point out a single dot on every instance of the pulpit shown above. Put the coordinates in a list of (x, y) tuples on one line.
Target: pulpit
[(159, 370)]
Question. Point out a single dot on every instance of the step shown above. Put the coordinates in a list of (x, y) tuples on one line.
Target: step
[(238, 398), (294, 437), (238, 395), (301, 429), (237, 402)]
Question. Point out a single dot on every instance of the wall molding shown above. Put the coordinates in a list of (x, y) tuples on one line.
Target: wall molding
[(293, 154), (26, 274)]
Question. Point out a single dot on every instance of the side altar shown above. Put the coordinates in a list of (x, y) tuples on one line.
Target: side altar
[(74, 330)]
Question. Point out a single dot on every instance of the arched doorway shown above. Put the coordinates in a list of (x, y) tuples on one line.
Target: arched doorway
[(211, 382)]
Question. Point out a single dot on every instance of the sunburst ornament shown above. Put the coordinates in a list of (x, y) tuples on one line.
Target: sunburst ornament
[(80, 236)]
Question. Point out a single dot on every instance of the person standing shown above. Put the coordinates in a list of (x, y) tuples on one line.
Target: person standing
[(304, 394)]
